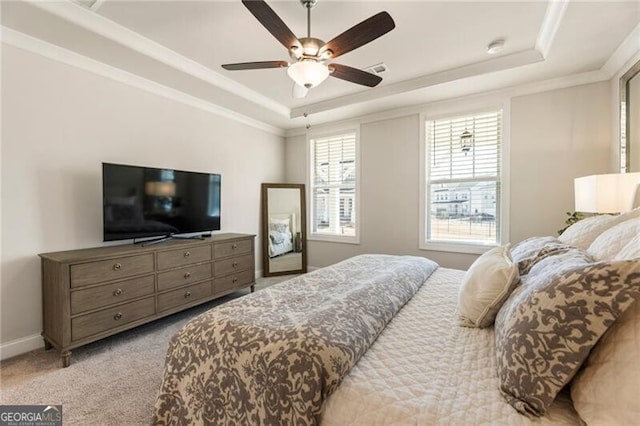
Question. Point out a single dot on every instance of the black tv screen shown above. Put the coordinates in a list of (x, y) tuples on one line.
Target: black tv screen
[(141, 202)]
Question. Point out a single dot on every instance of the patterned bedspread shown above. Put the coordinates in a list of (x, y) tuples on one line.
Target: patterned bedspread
[(274, 356)]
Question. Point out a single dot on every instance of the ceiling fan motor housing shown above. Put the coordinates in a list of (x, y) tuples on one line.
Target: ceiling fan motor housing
[(310, 50)]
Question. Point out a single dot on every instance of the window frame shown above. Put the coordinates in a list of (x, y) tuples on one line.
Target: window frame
[(456, 109), (335, 238)]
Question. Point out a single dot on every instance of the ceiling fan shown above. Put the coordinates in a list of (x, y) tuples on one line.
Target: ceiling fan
[(310, 56)]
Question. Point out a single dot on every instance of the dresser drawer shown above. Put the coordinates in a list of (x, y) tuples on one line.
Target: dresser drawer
[(108, 294), (112, 269), (230, 282), (182, 257), (98, 322), (231, 249), (184, 296), (183, 276), (229, 266)]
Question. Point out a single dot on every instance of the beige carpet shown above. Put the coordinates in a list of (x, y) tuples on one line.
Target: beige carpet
[(110, 382)]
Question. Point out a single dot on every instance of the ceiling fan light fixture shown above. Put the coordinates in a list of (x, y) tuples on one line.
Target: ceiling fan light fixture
[(308, 73)]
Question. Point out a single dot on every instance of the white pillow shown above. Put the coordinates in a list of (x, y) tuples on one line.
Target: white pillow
[(582, 233), (485, 286), (606, 390), (608, 244), (631, 250)]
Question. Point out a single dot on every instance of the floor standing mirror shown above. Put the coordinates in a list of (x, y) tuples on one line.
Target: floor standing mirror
[(284, 248)]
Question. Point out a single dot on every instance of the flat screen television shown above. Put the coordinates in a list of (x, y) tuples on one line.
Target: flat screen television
[(141, 202)]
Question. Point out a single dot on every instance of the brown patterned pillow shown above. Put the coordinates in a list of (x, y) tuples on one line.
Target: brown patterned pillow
[(547, 327)]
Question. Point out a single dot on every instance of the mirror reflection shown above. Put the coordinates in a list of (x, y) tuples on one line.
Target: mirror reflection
[(283, 229)]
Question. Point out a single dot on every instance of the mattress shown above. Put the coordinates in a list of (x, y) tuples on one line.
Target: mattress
[(424, 369)]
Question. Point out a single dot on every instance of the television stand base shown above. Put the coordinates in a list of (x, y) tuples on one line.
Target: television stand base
[(167, 238)]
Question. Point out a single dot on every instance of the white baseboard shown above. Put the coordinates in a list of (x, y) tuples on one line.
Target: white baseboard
[(20, 346)]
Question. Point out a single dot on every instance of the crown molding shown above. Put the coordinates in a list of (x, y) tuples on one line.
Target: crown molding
[(59, 54), (550, 24), (624, 54), (500, 63), (508, 92), (98, 24)]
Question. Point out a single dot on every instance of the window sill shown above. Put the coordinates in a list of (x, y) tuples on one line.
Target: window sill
[(457, 247), (334, 239)]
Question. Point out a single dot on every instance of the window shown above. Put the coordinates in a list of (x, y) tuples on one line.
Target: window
[(463, 175), (333, 182)]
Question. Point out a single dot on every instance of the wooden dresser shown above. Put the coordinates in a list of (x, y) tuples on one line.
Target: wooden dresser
[(93, 293)]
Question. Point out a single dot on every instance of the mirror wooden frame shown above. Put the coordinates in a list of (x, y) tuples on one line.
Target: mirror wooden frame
[(627, 146), (266, 270)]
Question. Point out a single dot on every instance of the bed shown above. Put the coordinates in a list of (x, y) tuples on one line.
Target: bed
[(380, 339), (282, 228)]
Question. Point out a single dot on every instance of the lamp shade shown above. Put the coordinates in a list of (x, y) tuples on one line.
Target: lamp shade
[(308, 73), (611, 193)]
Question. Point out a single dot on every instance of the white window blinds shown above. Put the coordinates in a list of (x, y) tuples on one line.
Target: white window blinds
[(463, 172), (333, 182), (453, 158)]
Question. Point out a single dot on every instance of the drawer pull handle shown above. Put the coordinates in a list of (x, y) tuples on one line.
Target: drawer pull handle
[(117, 267), (234, 246), (234, 264), (187, 275), (234, 280), (187, 295), (187, 254), (118, 292), (117, 316)]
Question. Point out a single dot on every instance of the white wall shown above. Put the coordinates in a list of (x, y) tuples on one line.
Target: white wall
[(58, 125), (555, 137)]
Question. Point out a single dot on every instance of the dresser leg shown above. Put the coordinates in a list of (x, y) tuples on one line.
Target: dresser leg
[(47, 345), (66, 358), (253, 288)]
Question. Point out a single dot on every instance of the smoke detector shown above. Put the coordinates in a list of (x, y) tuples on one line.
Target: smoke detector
[(495, 47)]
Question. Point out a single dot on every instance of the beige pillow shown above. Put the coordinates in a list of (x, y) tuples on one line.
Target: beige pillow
[(610, 242), (485, 287), (631, 250), (607, 389), (581, 234)]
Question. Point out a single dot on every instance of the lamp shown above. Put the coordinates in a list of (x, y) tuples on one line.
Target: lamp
[(610, 193), (308, 73)]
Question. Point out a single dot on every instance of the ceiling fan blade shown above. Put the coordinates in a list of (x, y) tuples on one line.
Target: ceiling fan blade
[(272, 22), (360, 34), (255, 65), (299, 92), (354, 75)]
